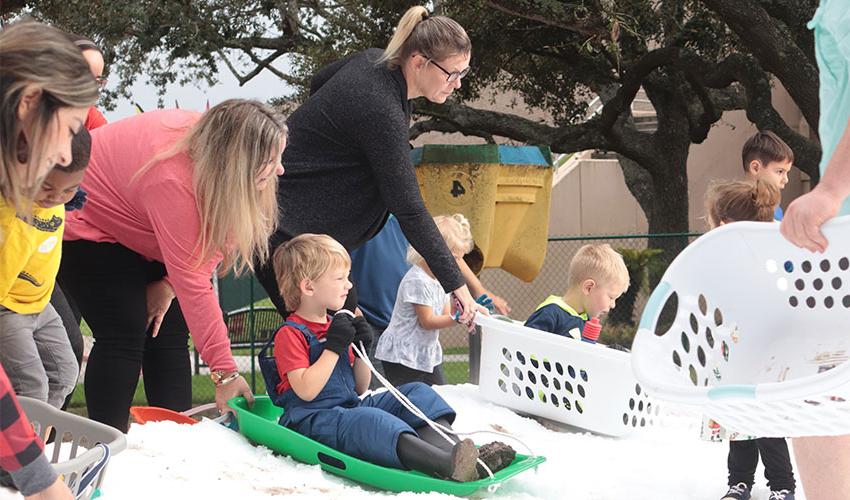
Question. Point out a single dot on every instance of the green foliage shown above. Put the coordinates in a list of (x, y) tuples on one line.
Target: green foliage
[(694, 59), (618, 334), (637, 262)]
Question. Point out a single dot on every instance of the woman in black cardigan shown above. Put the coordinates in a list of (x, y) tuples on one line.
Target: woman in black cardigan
[(348, 164)]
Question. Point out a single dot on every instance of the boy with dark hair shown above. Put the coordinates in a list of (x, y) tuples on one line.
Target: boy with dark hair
[(765, 156)]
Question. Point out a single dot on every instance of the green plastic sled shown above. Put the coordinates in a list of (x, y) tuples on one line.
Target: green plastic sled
[(260, 425)]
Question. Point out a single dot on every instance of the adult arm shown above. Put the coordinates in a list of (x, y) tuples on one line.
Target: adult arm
[(22, 452), (381, 131), (477, 288), (173, 215), (806, 214)]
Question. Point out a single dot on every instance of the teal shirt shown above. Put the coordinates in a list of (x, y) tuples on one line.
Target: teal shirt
[(831, 25)]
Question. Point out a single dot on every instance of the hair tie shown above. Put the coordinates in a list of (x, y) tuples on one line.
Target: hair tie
[(425, 15)]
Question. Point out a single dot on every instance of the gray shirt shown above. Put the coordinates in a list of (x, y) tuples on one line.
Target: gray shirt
[(405, 341)]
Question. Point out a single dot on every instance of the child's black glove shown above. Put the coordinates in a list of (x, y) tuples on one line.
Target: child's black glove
[(364, 334), (340, 334)]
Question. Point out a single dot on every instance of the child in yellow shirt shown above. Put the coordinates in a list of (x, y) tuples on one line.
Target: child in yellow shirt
[(34, 348)]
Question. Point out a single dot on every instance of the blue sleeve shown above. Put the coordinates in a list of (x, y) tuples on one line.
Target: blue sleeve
[(555, 320)]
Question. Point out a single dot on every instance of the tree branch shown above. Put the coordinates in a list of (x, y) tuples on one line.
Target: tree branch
[(591, 27), (438, 125), (464, 119), (759, 105), (775, 50)]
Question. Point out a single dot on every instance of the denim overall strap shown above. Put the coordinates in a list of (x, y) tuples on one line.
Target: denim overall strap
[(268, 365), (338, 390)]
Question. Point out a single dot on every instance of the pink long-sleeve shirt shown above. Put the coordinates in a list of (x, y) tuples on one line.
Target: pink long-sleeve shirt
[(155, 215)]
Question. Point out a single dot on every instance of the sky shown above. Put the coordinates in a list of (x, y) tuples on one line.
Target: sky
[(262, 87)]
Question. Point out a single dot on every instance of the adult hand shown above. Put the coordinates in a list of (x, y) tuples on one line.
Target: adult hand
[(56, 491), (465, 305), (159, 297), (804, 217), (225, 392)]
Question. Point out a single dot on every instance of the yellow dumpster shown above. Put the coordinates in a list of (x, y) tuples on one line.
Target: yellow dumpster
[(504, 191)]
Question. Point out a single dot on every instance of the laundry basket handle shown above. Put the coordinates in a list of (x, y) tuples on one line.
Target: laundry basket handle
[(652, 309), (92, 472)]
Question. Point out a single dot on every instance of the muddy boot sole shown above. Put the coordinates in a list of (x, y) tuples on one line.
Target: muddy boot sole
[(464, 461), (497, 455)]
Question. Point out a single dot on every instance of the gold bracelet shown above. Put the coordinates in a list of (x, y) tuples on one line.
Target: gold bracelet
[(221, 379)]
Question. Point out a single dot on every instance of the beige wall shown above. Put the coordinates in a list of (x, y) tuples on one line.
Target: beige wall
[(594, 199)]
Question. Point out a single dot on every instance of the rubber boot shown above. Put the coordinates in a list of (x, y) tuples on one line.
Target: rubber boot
[(458, 464), (429, 435)]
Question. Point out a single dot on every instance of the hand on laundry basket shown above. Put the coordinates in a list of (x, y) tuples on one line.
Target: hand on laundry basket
[(804, 217), (463, 307)]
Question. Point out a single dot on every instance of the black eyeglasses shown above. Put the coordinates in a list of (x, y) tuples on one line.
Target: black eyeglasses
[(451, 76), (101, 81)]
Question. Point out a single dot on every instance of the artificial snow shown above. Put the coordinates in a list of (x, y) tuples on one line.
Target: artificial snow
[(170, 461)]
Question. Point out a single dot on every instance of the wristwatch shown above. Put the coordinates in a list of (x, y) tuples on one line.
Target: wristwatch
[(221, 377)]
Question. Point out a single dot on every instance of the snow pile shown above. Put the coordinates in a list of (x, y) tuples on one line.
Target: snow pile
[(170, 461)]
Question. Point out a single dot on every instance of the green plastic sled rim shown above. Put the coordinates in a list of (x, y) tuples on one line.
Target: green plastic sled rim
[(259, 425)]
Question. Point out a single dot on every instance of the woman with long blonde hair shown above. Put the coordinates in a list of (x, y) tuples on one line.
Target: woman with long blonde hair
[(349, 164), (173, 196), (45, 91)]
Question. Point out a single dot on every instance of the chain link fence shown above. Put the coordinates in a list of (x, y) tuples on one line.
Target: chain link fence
[(523, 298)]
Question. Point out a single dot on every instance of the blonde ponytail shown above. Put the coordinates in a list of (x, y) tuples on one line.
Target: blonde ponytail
[(436, 37)]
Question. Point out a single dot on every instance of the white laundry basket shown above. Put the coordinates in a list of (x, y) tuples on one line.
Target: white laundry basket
[(565, 380), (761, 333), (82, 447)]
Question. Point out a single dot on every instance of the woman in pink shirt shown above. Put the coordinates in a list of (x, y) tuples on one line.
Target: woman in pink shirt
[(173, 196)]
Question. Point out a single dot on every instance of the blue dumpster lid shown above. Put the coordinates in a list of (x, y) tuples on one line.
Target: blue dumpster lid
[(482, 153)]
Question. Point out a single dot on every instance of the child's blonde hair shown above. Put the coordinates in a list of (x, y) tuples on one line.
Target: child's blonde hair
[(601, 263), (741, 200), (456, 232), (307, 256)]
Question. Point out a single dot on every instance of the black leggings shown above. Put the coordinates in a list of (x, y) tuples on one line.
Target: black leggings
[(744, 457), (106, 283), (399, 374)]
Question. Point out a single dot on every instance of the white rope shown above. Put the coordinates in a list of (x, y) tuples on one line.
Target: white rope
[(412, 408)]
